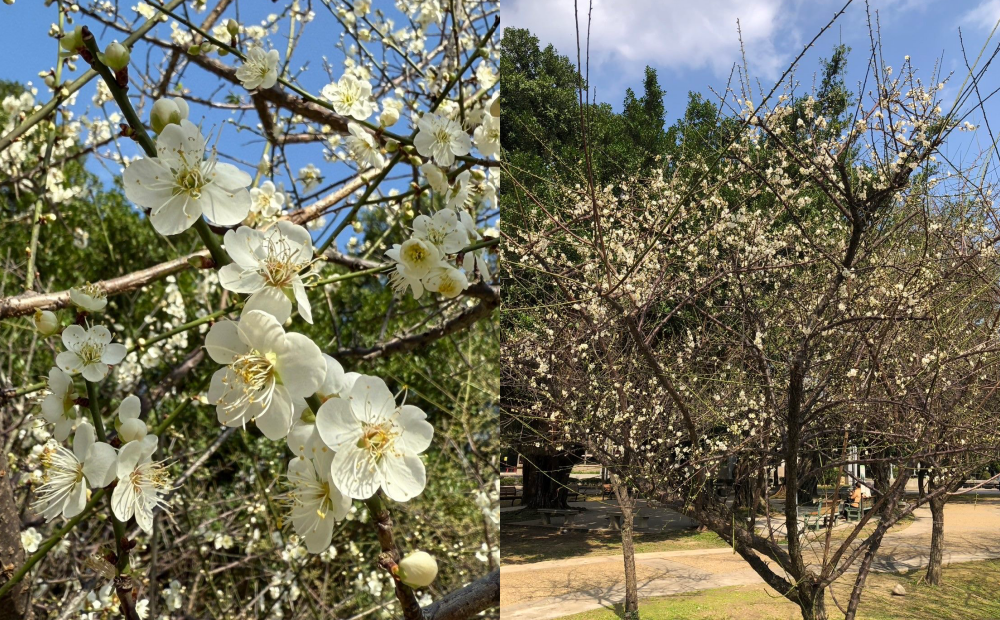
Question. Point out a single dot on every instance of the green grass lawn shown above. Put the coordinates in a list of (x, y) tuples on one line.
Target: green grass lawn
[(968, 592), (522, 545)]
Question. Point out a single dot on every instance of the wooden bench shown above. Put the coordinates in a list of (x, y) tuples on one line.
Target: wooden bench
[(509, 493), (614, 520), (568, 516), (815, 516)]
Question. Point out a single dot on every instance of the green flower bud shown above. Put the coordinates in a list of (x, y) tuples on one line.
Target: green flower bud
[(417, 569), (233, 27), (167, 111), (73, 40), (194, 50), (116, 56)]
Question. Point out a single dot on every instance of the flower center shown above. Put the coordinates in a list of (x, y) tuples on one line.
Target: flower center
[(416, 254), (190, 181), (378, 439), (252, 378), (90, 352), (449, 286), (443, 137), (280, 266), (92, 290)]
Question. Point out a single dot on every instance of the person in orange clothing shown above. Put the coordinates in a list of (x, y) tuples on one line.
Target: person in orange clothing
[(856, 495)]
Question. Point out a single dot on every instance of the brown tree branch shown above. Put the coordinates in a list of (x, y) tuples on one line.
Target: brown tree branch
[(466, 602)]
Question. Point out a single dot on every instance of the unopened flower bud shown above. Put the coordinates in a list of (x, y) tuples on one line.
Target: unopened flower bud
[(391, 146), (417, 569), (223, 51), (389, 116), (233, 27), (116, 56), (207, 47), (50, 81), (415, 161), (46, 323), (72, 41), (132, 429), (194, 50), (167, 111)]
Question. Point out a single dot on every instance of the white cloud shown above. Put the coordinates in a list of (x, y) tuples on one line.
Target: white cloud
[(682, 34), (984, 15)]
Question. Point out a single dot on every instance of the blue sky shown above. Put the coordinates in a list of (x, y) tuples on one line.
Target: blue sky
[(693, 45), (26, 50)]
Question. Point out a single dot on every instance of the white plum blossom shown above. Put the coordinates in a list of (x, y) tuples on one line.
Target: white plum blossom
[(443, 229), (266, 199), (269, 266), (310, 177), (458, 193), (30, 538), (363, 147), (487, 136), (351, 97), (265, 369), (260, 69), (376, 443), (441, 139), (67, 474), (477, 258), (141, 483), (317, 504), (89, 297), (131, 427), (179, 185), (173, 595), (391, 109), (303, 439), (436, 177), (414, 259), (59, 407), (447, 281), (89, 352)]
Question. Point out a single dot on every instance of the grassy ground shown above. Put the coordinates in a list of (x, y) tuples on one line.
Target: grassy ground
[(968, 592), (522, 545)]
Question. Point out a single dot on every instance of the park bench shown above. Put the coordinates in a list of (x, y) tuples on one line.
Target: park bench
[(568, 516), (614, 520), (815, 516), (855, 513), (992, 484), (607, 492), (509, 493)]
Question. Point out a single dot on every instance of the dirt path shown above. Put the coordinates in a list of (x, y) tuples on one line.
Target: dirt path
[(557, 588)]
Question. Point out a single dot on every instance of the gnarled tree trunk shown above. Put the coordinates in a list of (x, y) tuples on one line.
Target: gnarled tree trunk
[(16, 604), (545, 478)]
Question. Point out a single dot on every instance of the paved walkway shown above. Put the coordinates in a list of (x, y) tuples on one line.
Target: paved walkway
[(552, 589)]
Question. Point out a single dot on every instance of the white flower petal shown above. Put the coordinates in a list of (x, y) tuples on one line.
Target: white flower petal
[(405, 477), (271, 301), (277, 419), (223, 342), (371, 400), (101, 465), (354, 474), (417, 431), (301, 365), (336, 424)]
